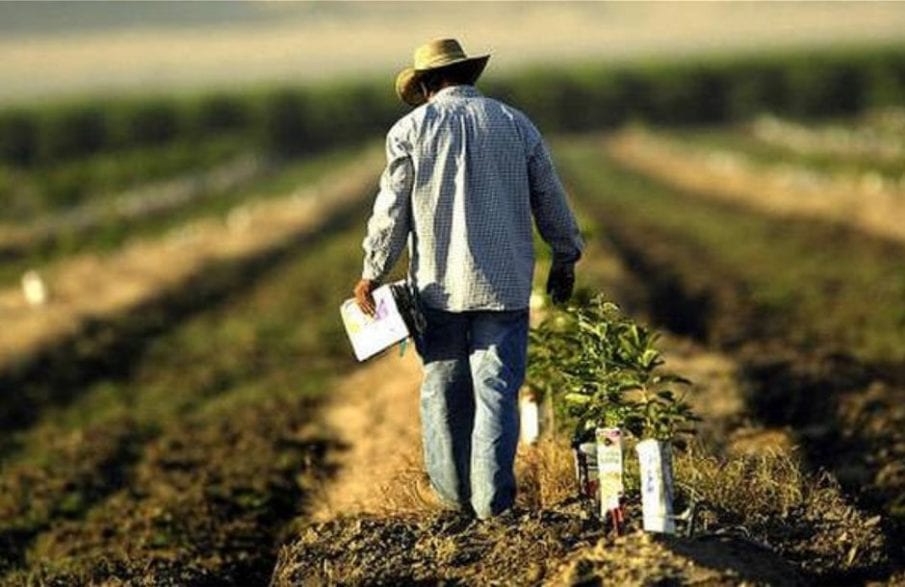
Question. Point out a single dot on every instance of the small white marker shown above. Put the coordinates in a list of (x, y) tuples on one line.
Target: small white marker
[(34, 288), (529, 419)]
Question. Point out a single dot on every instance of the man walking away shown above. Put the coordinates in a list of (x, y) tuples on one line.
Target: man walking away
[(465, 175)]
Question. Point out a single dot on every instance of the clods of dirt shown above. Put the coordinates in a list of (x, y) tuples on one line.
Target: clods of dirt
[(562, 545), (646, 559), (516, 548)]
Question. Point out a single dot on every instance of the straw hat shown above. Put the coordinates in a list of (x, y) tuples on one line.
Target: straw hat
[(430, 56)]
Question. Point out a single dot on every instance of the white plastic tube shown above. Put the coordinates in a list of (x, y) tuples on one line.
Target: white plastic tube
[(529, 416), (655, 459)]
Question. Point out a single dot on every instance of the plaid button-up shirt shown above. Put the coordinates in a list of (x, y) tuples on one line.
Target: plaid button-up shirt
[(464, 176)]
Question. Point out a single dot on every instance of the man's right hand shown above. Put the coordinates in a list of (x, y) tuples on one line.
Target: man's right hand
[(561, 282), (363, 296)]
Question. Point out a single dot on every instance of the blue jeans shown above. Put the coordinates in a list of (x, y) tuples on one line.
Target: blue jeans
[(474, 365)]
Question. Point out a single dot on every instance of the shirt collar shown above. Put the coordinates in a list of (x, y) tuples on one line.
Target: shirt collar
[(462, 91)]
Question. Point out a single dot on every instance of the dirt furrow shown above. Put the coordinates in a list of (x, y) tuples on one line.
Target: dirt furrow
[(813, 401), (372, 519), (373, 415), (90, 287), (227, 397), (79, 470), (105, 311), (727, 177)]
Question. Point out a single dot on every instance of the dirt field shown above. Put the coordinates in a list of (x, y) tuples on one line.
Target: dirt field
[(374, 522), (225, 436)]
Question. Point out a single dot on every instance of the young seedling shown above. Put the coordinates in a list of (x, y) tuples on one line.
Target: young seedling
[(603, 370)]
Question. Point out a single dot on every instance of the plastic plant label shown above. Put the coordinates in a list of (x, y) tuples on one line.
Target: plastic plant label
[(655, 460), (529, 420), (609, 468)]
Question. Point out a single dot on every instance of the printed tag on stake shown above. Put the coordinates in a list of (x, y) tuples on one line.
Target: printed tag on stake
[(609, 467), (371, 334)]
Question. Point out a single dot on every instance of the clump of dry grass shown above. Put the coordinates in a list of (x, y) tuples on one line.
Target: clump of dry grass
[(766, 497), (753, 487), (409, 491), (545, 473), (769, 497)]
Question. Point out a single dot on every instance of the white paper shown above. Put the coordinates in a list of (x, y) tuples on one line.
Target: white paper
[(371, 334), (529, 417), (655, 459), (609, 468)]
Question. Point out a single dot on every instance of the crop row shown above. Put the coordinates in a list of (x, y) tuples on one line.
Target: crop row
[(291, 120), (219, 401), (809, 283), (878, 135), (294, 119), (155, 208), (715, 90), (26, 193), (810, 310), (867, 201), (842, 150)]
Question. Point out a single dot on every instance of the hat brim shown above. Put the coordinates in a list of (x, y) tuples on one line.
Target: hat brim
[(409, 91)]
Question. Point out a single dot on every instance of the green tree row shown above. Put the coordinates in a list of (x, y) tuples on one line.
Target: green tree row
[(711, 91), (288, 120), (294, 120)]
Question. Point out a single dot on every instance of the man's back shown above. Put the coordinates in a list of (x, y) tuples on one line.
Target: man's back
[(475, 169), (472, 246)]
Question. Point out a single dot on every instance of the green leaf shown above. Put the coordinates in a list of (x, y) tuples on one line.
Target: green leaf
[(649, 357), (577, 398)]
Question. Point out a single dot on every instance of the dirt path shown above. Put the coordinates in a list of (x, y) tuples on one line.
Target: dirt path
[(373, 414)]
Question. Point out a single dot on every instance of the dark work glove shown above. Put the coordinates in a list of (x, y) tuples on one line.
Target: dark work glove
[(560, 282)]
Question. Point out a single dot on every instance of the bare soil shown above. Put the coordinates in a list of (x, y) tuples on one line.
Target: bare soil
[(374, 522), (836, 412), (373, 415), (775, 189)]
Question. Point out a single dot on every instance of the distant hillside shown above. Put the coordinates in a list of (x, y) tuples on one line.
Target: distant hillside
[(128, 47)]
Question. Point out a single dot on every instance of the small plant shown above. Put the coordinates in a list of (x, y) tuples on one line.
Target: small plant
[(603, 369)]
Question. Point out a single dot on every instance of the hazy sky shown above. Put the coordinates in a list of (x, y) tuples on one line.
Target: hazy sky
[(50, 49)]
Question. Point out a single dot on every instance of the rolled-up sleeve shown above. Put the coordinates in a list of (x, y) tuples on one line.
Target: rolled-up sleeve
[(555, 221), (390, 222)]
